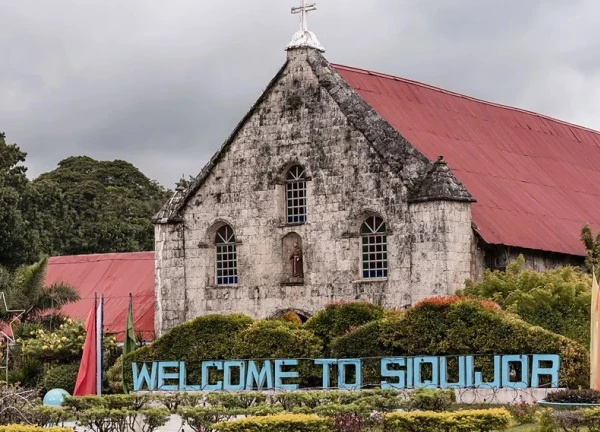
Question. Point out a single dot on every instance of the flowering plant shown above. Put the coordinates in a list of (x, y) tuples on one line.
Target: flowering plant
[(523, 412), (64, 345)]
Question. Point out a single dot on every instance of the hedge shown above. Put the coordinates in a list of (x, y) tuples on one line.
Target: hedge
[(29, 428), (338, 318), (459, 421), (61, 377), (207, 337), (460, 326), (277, 423)]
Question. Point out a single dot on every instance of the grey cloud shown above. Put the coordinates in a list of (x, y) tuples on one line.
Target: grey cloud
[(162, 84)]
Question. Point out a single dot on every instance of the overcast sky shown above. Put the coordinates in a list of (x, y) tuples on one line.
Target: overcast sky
[(161, 83)]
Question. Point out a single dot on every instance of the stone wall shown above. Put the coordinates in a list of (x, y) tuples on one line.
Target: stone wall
[(441, 252), (298, 122)]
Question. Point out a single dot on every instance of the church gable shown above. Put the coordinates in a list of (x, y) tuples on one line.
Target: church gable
[(305, 203)]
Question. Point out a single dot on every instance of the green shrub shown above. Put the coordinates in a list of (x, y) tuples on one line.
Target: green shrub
[(30, 428), (202, 419), (46, 415), (455, 326), (574, 396), (339, 318), (431, 400), (114, 376), (207, 337), (277, 423), (280, 339), (61, 377), (236, 400), (557, 299), (469, 420)]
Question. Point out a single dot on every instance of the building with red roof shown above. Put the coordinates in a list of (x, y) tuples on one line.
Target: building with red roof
[(116, 276), (342, 184)]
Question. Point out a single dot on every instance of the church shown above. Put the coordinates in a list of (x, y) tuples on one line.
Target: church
[(342, 184)]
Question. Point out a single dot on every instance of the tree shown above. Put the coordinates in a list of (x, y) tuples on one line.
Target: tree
[(557, 299), (592, 246), (25, 290), (17, 244), (109, 206)]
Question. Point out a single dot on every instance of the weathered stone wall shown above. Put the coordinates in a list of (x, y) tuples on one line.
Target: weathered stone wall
[(169, 276), (441, 252), (298, 122)]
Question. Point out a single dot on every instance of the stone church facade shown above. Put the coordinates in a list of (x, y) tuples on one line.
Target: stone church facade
[(314, 198), (349, 178)]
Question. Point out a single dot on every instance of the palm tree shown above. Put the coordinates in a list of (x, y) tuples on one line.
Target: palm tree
[(25, 290)]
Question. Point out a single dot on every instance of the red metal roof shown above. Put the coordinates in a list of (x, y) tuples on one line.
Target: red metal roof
[(116, 276), (536, 179)]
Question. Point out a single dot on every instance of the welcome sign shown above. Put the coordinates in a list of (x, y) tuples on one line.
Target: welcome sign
[(509, 371)]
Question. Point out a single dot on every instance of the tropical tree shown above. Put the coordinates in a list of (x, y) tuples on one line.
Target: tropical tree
[(24, 289)]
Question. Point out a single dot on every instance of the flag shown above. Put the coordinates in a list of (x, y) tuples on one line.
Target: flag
[(594, 335), (99, 340), (86, 377), (129, 341)]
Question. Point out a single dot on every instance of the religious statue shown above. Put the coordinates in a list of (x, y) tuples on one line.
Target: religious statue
[(296, 258)]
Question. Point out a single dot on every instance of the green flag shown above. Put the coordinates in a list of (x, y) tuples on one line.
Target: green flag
[(129, 342)]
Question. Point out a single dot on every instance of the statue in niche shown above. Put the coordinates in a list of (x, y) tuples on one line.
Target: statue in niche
[(296, 259)]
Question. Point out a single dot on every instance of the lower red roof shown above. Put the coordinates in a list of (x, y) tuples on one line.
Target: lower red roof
[(536, 179), (116, 276)]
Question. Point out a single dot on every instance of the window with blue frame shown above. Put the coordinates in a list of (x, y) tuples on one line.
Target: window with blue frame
[(295, 192), (226, 256), (374, 248)]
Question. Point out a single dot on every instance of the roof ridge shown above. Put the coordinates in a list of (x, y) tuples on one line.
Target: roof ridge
[(463, 96)]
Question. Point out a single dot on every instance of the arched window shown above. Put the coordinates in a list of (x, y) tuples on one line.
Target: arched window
[(295, 193), (374, 248), (226, 256)]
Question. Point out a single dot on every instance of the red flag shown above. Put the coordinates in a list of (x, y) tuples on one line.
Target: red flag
[(86, 378)]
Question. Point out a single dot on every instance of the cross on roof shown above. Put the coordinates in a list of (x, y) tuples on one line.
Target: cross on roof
[(303, 10), (304, 38)]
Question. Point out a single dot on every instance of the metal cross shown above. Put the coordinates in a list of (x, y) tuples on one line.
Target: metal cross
[(303, 10)]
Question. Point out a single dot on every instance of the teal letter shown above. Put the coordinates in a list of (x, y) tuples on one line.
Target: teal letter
[(205, 373), (444, 373), (506, 360), (141, 376), (470, 366), (163, 375), (393, 373), (326, 363), (266, 374), (538, 370), (494, 384), (227, 385), (280, 375), (435, 371), (183, 385), (342, 384)]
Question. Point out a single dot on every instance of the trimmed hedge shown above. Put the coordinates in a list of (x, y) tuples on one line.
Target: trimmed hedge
[(339, 318), (459, 326), (277, 423), (206, 337), (495, 419), (62, 377), (29, 428)]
